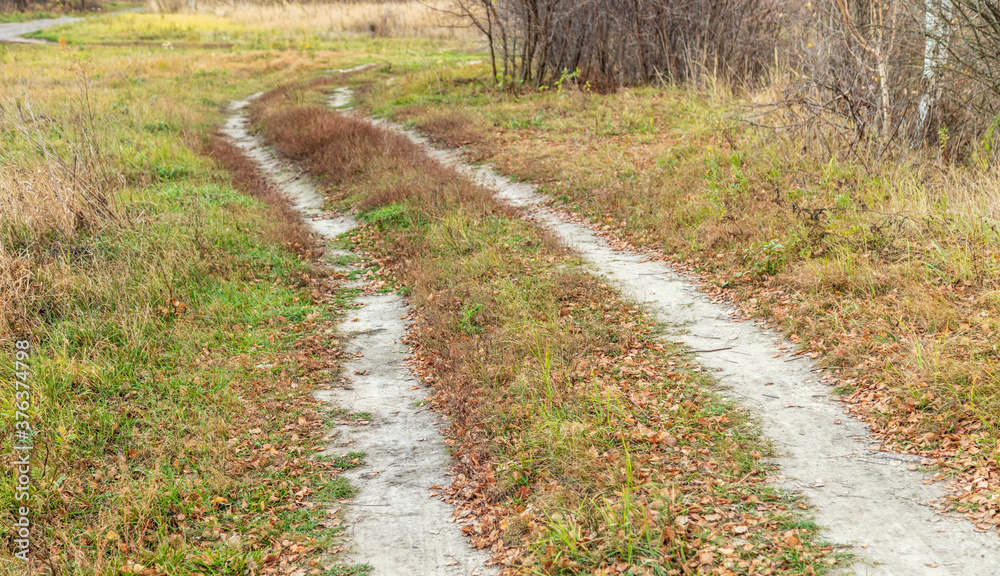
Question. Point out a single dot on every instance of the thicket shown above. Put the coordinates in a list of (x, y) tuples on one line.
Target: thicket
[(887, 74), (612, 43), (48, 5), (897, 74)]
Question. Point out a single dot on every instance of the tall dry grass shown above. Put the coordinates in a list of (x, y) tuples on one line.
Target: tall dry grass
[(47, 199), (424, 19), (15, 280), (46, 202)]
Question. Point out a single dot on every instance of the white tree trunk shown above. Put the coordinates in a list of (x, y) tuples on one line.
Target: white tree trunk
[(937, 16)]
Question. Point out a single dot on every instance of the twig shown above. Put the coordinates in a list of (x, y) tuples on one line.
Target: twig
[(712, 350)]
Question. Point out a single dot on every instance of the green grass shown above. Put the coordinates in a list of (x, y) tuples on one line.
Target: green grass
[(168, 326), (138, 402), (6, 17), (355, 570)]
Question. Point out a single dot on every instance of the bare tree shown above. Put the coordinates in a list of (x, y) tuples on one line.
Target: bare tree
[(870, 30), (612, 43)]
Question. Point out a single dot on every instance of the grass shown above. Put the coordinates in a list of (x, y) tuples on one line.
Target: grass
[(887, 269), (6, 17), (583, 443), (164, 33), (155, 273), (174, 311), (374, 19)]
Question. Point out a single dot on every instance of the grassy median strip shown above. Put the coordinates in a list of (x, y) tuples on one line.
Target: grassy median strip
[(887, 270), (583, 442)]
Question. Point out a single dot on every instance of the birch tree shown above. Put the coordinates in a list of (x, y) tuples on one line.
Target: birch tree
[(937, 19)]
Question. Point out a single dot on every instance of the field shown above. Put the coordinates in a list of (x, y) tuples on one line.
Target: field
[(170, 300), (179, 315)]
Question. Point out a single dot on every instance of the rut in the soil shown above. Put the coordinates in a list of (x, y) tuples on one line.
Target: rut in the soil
[(859, 495), (393, 524)]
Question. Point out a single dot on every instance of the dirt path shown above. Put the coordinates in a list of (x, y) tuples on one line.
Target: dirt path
[(861, 497), (394, 525), (13, 31)]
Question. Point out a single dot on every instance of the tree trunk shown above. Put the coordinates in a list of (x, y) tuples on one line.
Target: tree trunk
[(937, 15)]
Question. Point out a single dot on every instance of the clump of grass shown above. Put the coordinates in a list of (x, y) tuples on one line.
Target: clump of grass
[(581, 441), (292, 231), (53, 196)]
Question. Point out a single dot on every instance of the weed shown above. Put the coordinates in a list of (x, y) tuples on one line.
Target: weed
[(337, 488), (391, 215), (352, 570), (344, 260), (766, 259), (350, 460), (467, 322)]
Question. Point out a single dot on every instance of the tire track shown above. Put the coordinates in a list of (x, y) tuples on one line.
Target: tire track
[(861, 497), (395, 526)]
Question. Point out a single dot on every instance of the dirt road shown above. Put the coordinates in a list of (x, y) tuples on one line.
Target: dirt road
[(395, 527), (874, 502), (13, 32)]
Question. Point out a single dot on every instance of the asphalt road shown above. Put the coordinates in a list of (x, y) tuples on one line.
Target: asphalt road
[(13, 31)]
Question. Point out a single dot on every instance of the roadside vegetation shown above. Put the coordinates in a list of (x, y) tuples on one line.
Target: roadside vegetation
[(177, 321), (401, 19), (584, 443), (24, 11)]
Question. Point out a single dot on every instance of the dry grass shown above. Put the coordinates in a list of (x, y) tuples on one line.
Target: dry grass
[(347, 150), (40, 202), (411, 19), (887, 269), (43, 213), (48, 198), (580, 438), (15, 282)]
